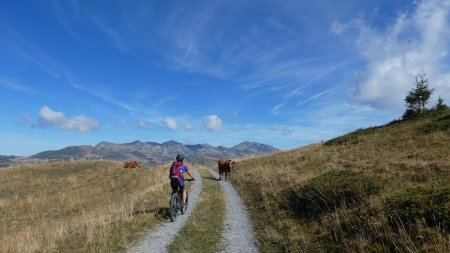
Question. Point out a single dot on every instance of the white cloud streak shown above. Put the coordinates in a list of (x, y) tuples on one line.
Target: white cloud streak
[(103, 95), (143, 124), (315, 96), (79, 123), (16, 86)]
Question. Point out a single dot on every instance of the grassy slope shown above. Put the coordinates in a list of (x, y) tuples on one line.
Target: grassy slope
[(78, 206), (381, 189)]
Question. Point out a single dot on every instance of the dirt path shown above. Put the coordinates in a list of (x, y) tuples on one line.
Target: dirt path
[(159, 239), (238, 233)]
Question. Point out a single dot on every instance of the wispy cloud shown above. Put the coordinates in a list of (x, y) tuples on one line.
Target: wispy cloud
[(67, 12), (143, 124), (262, 57), (104, 95), (113, 35), (296, 92), (26, 120), (189, 127), (185, 33), (16, 86), (315, 96), (26, 51), (20, 47)]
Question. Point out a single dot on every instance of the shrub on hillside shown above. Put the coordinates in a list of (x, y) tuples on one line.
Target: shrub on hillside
[(330, 191), (353, 137), (441, 124), (430, 205)]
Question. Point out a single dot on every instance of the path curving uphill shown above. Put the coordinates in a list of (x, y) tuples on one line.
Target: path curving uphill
[(159, 239), (238, 235)]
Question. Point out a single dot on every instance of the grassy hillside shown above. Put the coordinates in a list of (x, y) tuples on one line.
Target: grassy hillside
[(381, 189), (78, 206)]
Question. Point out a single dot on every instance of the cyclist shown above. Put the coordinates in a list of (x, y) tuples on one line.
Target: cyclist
[(176, 175)]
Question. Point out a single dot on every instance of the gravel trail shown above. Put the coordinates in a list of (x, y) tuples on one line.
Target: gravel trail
[(237, 235), (159, 239)]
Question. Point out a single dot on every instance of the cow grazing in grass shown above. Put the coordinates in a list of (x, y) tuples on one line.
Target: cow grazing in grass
[(131, 165), (225, 167)]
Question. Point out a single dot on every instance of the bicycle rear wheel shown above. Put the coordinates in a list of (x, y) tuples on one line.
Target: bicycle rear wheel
[(173, 207)]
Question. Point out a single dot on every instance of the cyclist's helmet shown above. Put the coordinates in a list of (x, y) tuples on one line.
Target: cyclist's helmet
[(180, 158)]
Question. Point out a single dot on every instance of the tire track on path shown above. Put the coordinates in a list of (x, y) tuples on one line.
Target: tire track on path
[(238, 235), (159, 239)]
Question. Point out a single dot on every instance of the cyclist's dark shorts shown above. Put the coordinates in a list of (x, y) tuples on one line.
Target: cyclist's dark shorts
[(177, 184)]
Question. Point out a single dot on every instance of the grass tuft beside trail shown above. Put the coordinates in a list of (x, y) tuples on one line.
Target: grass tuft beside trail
[(203, 229)]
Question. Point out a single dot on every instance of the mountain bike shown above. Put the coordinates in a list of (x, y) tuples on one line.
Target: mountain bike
[(176, 202)]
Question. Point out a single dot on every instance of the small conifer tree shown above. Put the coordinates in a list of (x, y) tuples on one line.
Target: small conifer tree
[(440, 105), (417, 98)]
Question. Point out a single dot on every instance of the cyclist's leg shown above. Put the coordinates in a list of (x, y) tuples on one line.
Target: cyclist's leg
[(183, 189), (174, 185)]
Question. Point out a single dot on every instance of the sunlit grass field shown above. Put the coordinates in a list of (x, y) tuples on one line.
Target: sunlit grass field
[(82, 206), (383, 189)]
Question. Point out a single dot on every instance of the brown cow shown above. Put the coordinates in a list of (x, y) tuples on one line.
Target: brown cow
[(131, 165), (225, 167)]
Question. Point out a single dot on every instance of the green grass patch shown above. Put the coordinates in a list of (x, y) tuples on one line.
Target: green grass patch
[(415, 220), (440, 124), (353, 137), (428, 204), (202, 231), (326, 193)]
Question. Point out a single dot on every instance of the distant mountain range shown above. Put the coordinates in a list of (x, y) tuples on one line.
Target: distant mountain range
[(149, 153)]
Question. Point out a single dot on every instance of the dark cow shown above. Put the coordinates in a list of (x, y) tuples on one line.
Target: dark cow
[(131, 165), (225, 167)]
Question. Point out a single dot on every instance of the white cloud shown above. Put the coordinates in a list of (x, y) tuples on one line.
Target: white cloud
[(79, 123), (212, 123), (189, 127), (237, 128), (143, 124), (170, 123), (26, 120), (338, 28), (415, 42), (281, 129)]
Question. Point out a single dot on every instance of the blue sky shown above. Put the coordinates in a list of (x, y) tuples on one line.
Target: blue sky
[(284, 73)]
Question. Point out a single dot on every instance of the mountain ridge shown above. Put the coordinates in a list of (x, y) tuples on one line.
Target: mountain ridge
[(148, 153)]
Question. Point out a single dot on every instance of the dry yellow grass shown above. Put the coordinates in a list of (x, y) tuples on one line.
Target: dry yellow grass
[(398, 154), (83, 206)]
